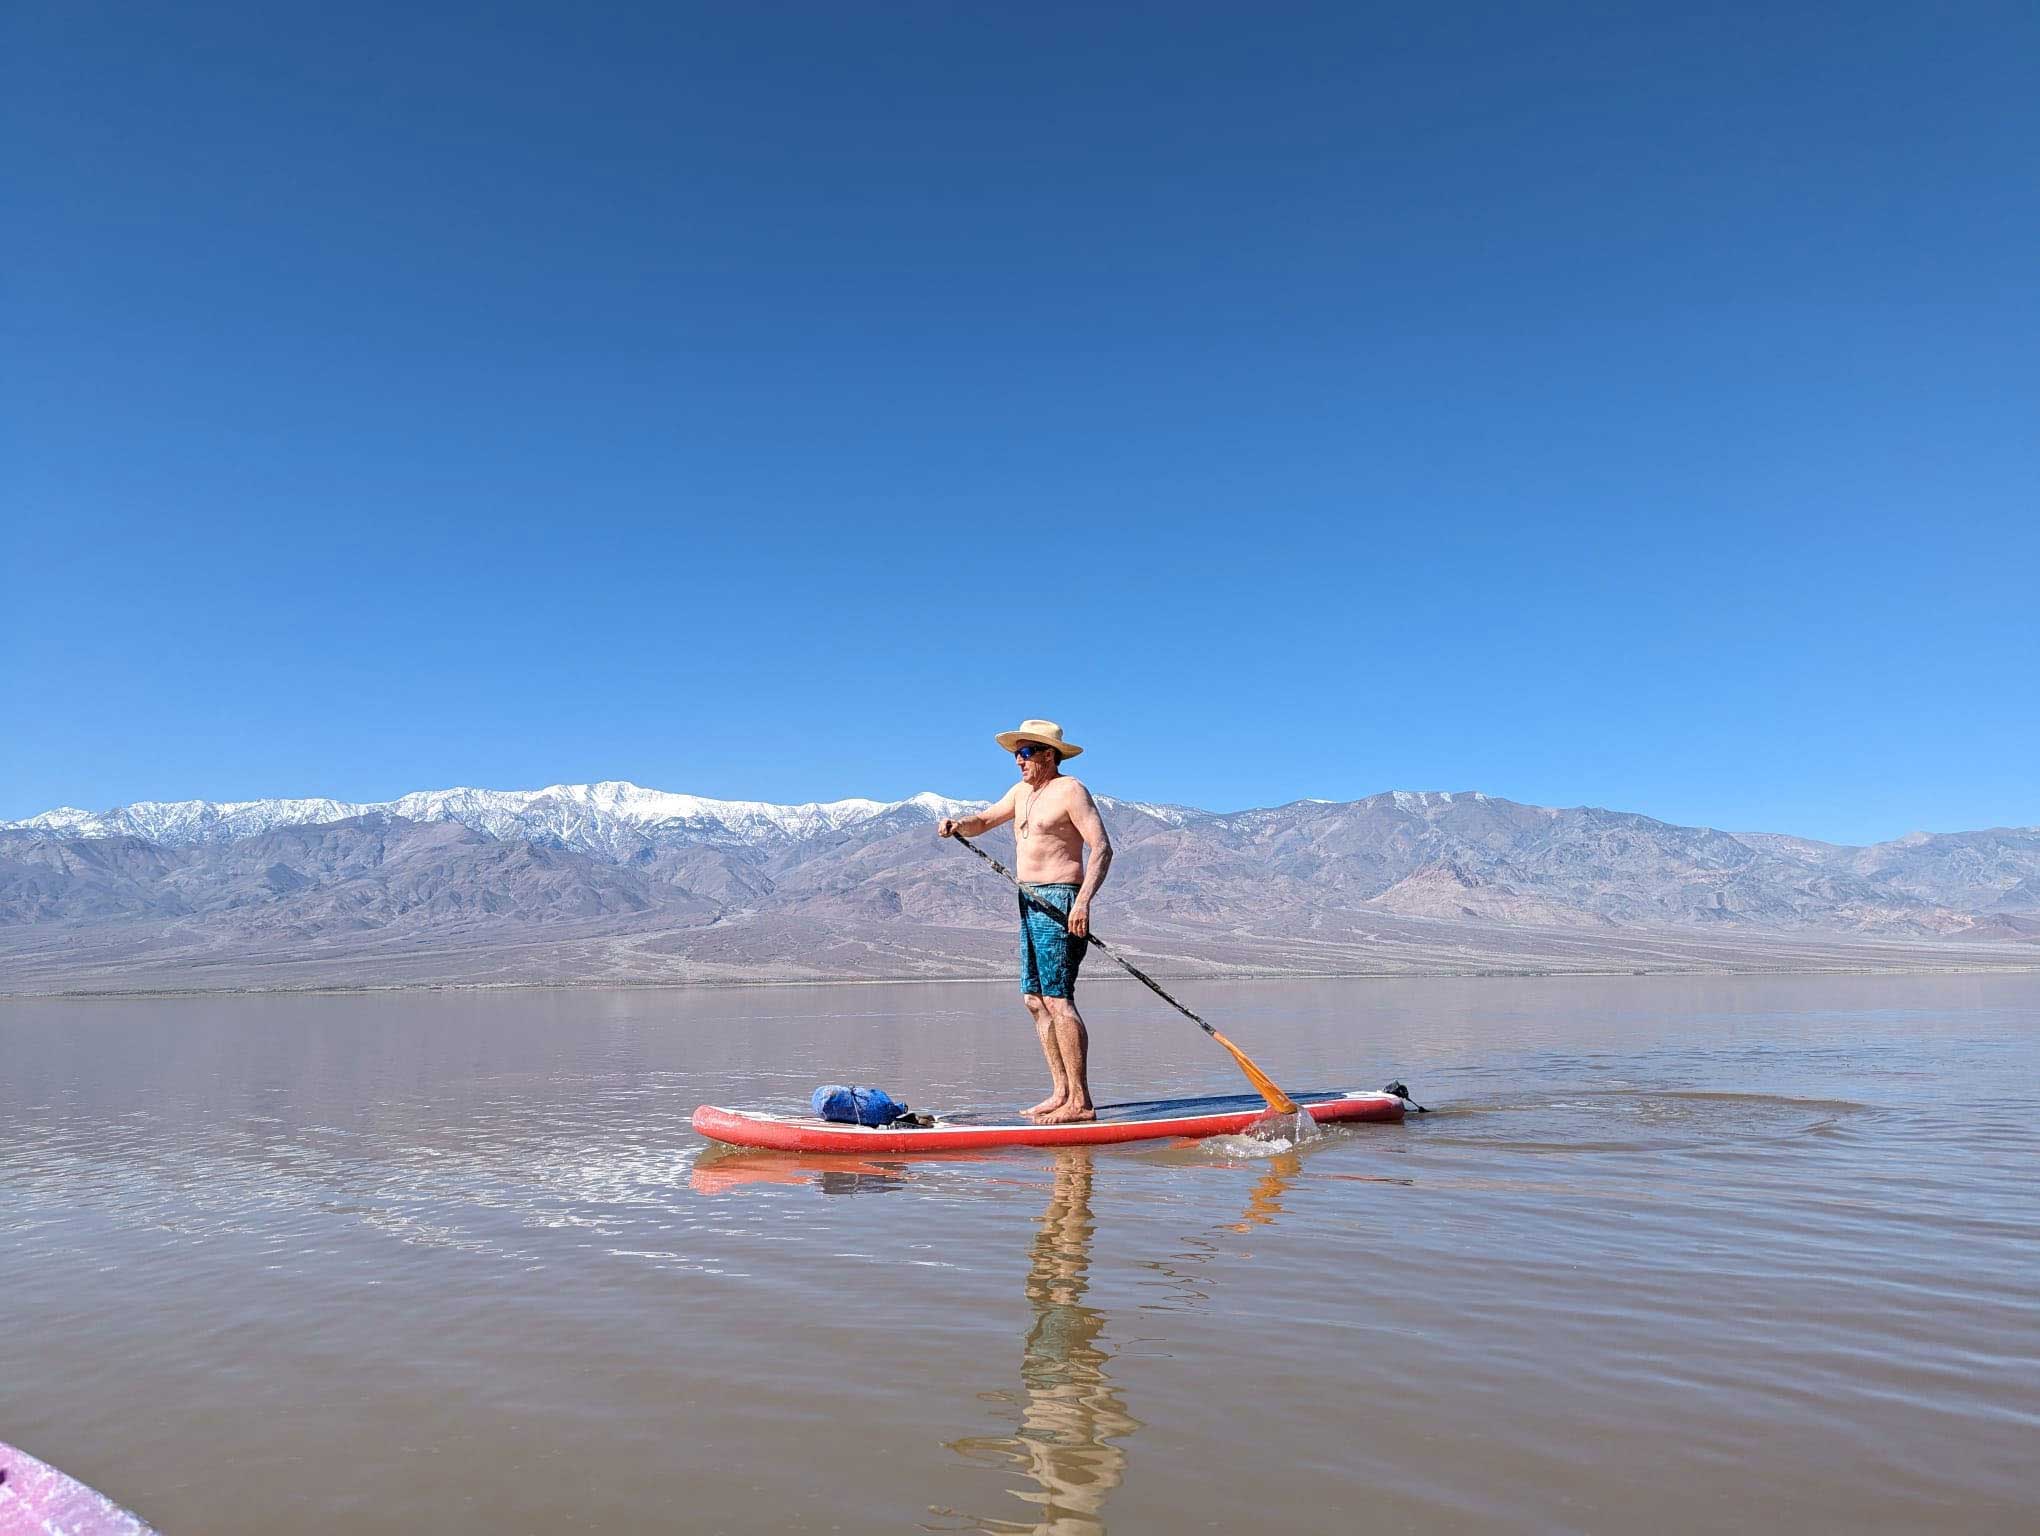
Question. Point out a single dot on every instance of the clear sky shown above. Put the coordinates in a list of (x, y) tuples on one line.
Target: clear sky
[(1624, 405)]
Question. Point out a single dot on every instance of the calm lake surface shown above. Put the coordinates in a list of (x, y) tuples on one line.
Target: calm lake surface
[(1673, 1254)]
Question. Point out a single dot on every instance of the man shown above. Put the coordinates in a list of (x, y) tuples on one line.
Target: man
[(1054, 822)]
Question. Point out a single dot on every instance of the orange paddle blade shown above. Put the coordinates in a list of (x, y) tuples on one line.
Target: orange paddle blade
[(1278, 1101)]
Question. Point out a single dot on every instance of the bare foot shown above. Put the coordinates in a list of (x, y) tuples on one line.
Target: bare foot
[(1068, 1113), (1053, 1101)]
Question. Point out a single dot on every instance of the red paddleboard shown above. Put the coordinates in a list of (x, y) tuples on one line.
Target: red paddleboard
[(1155, 1119), (38, 1500)]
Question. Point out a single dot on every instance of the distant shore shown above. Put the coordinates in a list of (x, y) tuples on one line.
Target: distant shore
[(1188, 978)]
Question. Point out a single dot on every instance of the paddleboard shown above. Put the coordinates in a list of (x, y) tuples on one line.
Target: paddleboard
[(1149, 1120), (38, 1500)]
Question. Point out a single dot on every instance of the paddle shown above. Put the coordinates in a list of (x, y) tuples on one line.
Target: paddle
[(1280, 1102)]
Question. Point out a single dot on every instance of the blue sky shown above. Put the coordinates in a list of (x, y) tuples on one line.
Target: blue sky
[(1586, 404)]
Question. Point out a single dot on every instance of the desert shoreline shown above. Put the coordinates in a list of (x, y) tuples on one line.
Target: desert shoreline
[(724, 984)]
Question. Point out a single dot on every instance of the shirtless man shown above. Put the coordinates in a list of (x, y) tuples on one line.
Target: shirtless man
[(1055, 820)]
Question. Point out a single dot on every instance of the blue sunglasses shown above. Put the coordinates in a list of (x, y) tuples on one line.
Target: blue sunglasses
[(1027, 749)]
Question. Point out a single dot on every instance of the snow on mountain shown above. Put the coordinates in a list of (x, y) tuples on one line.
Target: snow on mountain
[(1170, 815), (181, 822), (613, 817)]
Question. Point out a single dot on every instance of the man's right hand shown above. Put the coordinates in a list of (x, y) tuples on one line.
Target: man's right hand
[(945, 828)]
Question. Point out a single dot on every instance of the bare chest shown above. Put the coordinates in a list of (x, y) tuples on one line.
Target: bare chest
[(1043, 815)]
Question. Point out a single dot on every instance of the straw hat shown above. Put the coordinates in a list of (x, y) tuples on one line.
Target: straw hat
[(1047, 732)]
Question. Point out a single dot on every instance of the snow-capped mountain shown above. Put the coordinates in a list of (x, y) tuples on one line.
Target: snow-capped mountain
[(615, 882), (613, 818)]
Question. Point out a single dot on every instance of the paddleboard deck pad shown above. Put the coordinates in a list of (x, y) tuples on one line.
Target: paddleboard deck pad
[(1149, 1120)]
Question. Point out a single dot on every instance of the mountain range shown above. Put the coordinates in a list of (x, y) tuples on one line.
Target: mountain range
[(613, 882)]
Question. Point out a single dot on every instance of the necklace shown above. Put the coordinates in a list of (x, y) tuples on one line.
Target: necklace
[(1028, 815)]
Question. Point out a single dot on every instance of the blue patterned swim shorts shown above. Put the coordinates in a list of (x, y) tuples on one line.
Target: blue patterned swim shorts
[(1049, 957)]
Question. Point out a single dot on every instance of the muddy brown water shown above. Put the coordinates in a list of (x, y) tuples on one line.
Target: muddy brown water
[(1676, 1254)]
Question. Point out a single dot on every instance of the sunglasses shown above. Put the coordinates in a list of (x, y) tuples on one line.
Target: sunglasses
[(1027, 749)]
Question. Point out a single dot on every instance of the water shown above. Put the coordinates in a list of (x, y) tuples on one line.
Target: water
[(1690, 1254)]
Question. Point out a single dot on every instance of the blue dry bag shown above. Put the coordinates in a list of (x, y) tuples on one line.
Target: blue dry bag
[(856, 1106)]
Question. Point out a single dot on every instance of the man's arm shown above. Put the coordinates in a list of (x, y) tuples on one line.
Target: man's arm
[(1091, 828), (983, 821)]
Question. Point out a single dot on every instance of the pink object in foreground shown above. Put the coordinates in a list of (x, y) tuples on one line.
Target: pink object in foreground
[(1226, 1115), (38, 1500)]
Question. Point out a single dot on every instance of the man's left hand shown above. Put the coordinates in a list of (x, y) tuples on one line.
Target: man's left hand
[(1080, 920)]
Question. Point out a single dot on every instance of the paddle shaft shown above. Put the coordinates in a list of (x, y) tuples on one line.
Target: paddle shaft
[(1276, 1098)]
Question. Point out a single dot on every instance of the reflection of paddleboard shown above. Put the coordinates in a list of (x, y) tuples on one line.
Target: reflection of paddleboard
[(722, 1170), (1218, 1115), (38, 1500)]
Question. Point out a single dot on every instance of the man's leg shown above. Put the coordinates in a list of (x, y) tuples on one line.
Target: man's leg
[(1071, 1044), (1044, 1030)]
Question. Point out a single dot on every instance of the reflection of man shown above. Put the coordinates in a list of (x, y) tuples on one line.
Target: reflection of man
[(1072, 1419), (1072, 1415), (1054, 822)]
